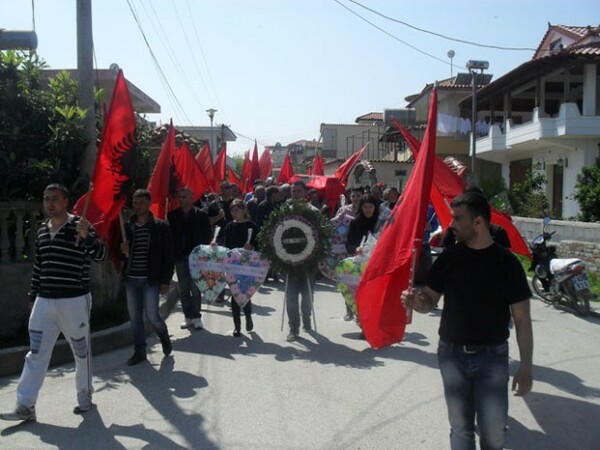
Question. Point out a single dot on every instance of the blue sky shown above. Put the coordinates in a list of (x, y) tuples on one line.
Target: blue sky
[(276, 69)]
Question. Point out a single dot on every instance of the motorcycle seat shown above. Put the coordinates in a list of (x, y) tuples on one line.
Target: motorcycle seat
[(557, 265)]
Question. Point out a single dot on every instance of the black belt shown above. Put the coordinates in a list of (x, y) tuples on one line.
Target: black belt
[(470, 349)]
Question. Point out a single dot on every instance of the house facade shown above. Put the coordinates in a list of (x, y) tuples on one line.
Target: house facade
[(453, 129), (543, 115), (341, 140)]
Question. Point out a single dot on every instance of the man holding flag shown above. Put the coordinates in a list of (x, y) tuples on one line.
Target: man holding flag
[(483, 285)]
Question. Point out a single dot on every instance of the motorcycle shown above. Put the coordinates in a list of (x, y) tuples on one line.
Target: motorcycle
[(559, 280)]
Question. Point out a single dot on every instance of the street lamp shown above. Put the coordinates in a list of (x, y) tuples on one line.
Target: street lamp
[(211, 113), (474, 66)]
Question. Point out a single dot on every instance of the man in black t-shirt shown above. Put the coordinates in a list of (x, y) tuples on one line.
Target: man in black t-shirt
[(483, 285)]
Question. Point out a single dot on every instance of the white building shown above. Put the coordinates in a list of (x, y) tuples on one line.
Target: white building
[(545, 114)]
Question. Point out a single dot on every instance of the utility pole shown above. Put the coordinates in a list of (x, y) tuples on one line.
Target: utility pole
[(85, 84)]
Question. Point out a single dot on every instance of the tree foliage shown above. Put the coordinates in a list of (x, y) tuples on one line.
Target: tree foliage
[(587, 193), (528, 199), (41, 130)]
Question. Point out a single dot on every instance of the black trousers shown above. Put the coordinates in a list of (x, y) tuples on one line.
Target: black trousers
[(236, 312)]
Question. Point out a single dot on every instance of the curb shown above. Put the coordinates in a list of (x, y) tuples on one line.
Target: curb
[(102, 341)]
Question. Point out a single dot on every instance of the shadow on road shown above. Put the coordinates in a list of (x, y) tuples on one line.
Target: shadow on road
[(561, 422), (560, 379)]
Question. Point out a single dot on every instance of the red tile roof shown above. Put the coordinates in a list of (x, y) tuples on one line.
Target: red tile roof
[(370, 116), (576, 33)]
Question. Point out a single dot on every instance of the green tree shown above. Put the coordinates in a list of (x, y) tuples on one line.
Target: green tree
[(587, 193), (528, 199), (41, 130)]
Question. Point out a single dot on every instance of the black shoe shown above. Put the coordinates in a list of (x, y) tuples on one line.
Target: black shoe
[(137, 358), (167, 347), (348, 317), (249, 324), (292, 336), (236, 333), (307, 327)]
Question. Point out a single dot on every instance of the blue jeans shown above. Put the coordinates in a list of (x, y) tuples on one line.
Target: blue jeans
[(142, 296), (188, 291), (475, 386)]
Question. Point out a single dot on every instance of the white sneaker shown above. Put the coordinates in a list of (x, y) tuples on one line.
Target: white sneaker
[(198, 325), (186, 324)]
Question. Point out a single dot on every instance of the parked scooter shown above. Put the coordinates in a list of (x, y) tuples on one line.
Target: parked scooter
[(558, 280)]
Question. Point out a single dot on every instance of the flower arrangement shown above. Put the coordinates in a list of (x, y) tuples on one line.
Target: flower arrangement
[(245, 272), (339, 232), (295, 238), (206, 269)]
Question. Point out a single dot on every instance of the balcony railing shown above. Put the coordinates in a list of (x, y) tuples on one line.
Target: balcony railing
[(18, 225)]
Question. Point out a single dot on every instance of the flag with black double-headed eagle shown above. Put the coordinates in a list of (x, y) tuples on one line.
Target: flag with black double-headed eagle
[(115, 163)]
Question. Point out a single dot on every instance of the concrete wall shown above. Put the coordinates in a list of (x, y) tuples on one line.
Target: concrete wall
[(565, 230)]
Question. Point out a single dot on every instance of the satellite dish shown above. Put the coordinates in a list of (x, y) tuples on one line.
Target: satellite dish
[(114, 68)]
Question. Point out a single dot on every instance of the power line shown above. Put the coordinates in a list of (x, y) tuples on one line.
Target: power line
[(477, 44), (201, 50), (190, 49), (162, 76), (171, 52), (391, 35)]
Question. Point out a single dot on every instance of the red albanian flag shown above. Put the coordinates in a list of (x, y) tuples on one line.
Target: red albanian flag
[(246, 172), (343, 172), (189, 174), (205, 162), (254, 166), (234, 179), (318, 166), (115, 163), (447, 184), (388, 270), (160, 184), (265, 164), (220, 167), (286, 171)]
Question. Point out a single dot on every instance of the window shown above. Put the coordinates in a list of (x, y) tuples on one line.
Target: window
[(556, 46)]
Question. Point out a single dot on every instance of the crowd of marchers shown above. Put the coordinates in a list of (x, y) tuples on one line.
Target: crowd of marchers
[(482, 282)]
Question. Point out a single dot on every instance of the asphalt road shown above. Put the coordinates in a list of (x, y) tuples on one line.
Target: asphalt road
[(328, 390)]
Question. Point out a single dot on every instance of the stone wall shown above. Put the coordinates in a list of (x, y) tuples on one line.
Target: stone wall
[(572, 239), (588, 251)]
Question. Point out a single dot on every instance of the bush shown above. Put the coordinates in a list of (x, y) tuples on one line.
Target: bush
[(528, 198), (587, 193)]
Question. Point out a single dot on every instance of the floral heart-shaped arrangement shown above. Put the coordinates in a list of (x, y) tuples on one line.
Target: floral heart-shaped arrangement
[(207, 270), (339, 233), (245, 272), (347, 274)]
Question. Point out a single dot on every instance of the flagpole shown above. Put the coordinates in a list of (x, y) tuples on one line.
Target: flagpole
[(411, 280), (85, 208), (312, 302), (123, 234), (287, 277)]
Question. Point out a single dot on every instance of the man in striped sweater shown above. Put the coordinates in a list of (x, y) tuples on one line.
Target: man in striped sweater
[(150, 259), (60, 301)]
